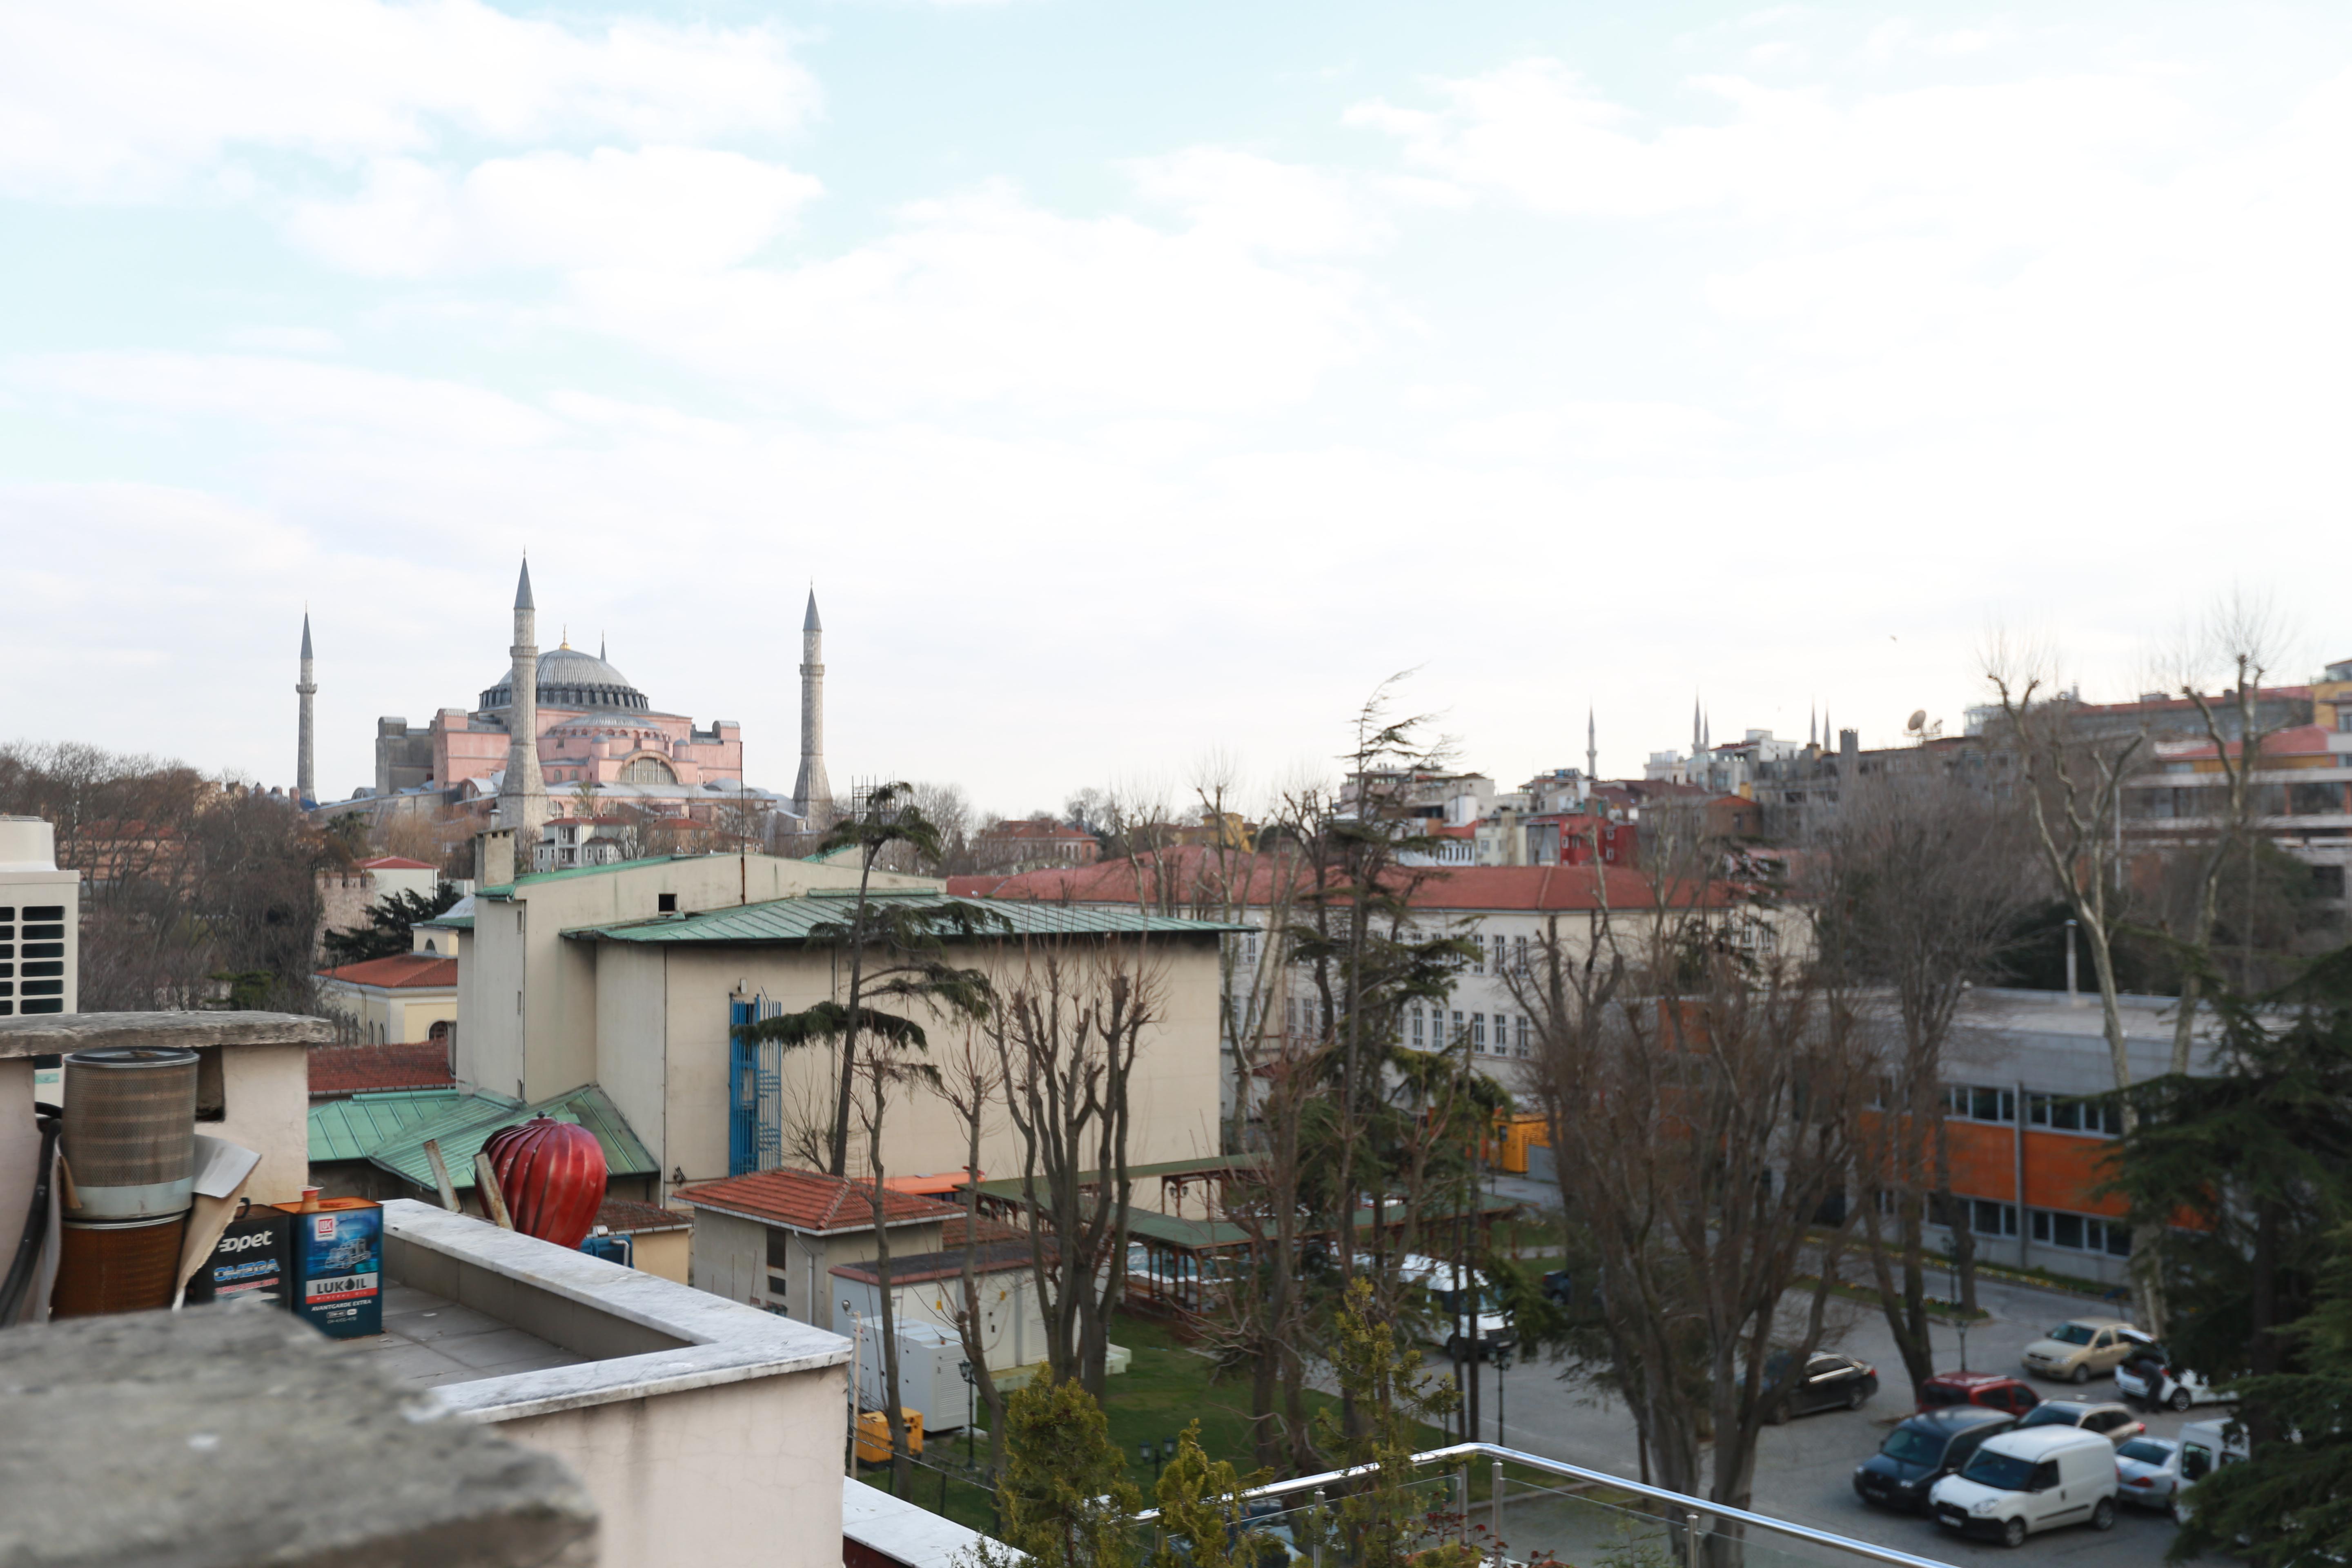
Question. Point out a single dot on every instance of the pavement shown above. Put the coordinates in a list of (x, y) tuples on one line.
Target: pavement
[(1804, 1470)]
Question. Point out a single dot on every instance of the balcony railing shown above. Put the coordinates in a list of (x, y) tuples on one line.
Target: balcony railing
[(1564, 1514)]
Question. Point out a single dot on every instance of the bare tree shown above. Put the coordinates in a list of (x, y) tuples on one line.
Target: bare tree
[(2241, 632), (1067, 1031), (2074, 797), (1924, 880), (971, 1081), (1704, 1108)]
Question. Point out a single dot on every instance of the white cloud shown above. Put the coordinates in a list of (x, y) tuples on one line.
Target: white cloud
[(1255, 203), (984, 299), (123, 99), (1592, 434), (294, 398), (679, 209)]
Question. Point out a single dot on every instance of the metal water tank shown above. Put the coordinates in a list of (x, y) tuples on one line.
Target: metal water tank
[(130, 1132)]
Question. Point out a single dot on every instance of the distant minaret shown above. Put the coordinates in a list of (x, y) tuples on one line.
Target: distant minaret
[(523, 797), (811, 793), (1694, 724), (306, 779), (1591, 752)]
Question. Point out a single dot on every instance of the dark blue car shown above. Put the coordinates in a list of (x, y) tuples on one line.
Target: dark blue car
[(1924, 1449)]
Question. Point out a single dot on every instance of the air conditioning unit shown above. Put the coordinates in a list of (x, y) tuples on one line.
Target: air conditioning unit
[(40, 920)]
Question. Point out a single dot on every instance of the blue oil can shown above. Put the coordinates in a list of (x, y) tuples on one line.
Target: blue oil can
[(337, 1274)]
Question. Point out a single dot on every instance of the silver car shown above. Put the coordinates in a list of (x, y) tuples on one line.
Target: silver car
[(2149, 1469)]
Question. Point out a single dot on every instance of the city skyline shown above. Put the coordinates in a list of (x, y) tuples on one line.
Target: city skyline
[(1144, 397)]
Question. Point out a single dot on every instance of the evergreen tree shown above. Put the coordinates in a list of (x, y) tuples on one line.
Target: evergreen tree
[(1382, 1521), (390, 920), (1201, 1511), (2291, 1501), (1064, 1493)]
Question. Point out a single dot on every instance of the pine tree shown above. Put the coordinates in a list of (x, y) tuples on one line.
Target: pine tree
[(1064, 1493)]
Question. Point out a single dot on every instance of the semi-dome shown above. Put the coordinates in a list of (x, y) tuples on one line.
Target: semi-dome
[(571, 679)]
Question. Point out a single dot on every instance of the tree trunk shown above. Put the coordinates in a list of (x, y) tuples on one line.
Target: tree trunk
[(848, 1090)]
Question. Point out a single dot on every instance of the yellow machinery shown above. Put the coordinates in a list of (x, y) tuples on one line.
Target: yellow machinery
[(874, 1435)]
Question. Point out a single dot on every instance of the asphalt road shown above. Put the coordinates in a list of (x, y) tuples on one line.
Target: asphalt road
[(1804, 1469)]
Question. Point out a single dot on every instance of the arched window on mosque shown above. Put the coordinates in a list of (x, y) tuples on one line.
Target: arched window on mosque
[(648, 770)]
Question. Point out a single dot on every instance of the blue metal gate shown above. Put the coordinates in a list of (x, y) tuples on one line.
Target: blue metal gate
[(755, 1092)]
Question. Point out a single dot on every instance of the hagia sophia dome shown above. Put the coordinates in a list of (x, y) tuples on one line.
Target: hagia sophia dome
[(571, 679)]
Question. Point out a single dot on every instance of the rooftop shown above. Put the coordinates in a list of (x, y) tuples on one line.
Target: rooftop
[(799, 920), (400, 971), (811, 1202), (995, 1257), (359, 1069), (467, 1123)]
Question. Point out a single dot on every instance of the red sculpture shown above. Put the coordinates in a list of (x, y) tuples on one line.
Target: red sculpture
[(552, 1174)]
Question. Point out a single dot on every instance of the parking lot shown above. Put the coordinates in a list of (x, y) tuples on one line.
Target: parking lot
[(1804, 1470)]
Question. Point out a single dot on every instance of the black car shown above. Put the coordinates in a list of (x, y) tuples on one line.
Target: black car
[(1922, 1451), (1831, 1381)]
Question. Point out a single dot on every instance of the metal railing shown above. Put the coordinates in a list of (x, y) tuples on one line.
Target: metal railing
[(1681, 1513)]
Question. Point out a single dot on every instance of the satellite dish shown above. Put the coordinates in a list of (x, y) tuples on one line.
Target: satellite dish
[(1918, 720)]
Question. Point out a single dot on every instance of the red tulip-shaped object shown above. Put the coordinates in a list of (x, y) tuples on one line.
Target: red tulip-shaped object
[(552, 1174)]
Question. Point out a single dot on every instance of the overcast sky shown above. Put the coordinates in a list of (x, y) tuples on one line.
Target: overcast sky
[(1137, 381)]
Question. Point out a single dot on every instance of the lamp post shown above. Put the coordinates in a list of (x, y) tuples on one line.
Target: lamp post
[(969, 1413), (1502, 1366)]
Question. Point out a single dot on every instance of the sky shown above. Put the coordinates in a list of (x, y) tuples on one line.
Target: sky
[(1140, 385)]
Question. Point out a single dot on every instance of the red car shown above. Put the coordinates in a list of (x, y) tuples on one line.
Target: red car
[(1993, 1390)]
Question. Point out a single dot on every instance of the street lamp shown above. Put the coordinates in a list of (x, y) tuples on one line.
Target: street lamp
[(1502, 1366), (970, 1416)]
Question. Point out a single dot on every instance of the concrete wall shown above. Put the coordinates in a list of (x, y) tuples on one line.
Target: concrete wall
[(666, 1253), (1174, 1090), (266, 1107), (743, 1473), (728, 1257)]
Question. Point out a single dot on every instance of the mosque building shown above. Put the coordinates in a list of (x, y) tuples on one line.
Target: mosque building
[(588, 730), (592, 727)]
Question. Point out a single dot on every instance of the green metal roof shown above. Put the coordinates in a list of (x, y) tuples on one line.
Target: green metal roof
[(1197, 1234), (506, 889), (355, 1128), (1209, 1165), (792, 919), (450, 922), (462, 1128)]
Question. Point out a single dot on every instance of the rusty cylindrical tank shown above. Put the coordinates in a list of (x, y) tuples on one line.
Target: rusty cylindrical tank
[(552, 1176), (130, 1132)]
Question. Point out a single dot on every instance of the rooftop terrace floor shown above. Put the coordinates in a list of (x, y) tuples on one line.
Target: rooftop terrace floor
[(428, 1341)]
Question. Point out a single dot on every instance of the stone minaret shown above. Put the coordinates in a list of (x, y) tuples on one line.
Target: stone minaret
[(306, 778), (811, 793), (1591, 752), (522, 798)]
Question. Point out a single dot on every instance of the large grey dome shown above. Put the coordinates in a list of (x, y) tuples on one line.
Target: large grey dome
[(569, 678)]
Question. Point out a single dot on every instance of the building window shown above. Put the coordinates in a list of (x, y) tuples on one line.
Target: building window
[(1478, 1031), (1417, 1035), (1498, 956), (1457, 1027), (1980, 1102), (1524, 1032), (2060, 1113), (1249, 948), (2081, 1233), (1518, 955), (1478, 961)]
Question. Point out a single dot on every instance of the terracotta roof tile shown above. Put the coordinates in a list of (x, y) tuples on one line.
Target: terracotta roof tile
[(1181, 875), (811, 1201), (361, 1069), (401, 971), (624, 1217)]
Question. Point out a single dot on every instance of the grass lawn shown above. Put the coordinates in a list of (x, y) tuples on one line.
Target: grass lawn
[(1166, 1389)]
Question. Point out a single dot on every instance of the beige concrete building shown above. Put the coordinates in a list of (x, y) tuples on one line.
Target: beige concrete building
[(400, 1000), (632, 976), (772, 1239)]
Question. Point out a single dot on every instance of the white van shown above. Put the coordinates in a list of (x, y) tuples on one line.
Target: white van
[(1468, 1293), (2034, 1478), (2205, 1447)]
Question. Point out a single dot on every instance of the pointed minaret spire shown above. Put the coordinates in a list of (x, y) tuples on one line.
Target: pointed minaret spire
[(812, 794), (522, 797), (1706, 732), (306, 782), (1812, 725), (600, 647), (1694, 727), (1591, 749)]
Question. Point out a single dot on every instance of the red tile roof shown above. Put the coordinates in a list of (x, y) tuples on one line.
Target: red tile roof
[(624, 1218), (809, 1200), (2301, 741), (401, 970), (395, 863), (337, 1071)]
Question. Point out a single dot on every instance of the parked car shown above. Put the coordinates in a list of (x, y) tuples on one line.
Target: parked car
[(1831, 1381), (2205, 1447), (1923, 1450), (1458, 1300), (2148, 1378), (2110, 1420), (1993, 1390), (1560, 1286), (2081, 1347), (2147, 1470), (2022, 1482)]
